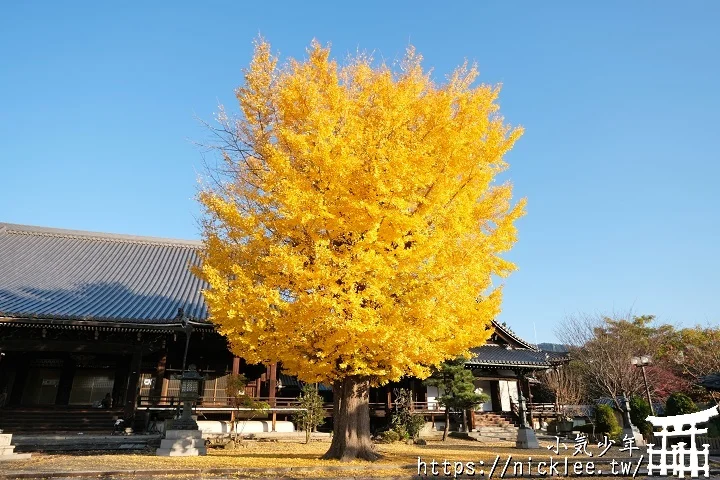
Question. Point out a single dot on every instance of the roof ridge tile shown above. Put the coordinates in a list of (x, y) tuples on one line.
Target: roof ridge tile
[(17, 229)]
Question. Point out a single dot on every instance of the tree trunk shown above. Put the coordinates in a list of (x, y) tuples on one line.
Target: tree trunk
[(446, 429), (351, 421), (307, 434), (464, 421)]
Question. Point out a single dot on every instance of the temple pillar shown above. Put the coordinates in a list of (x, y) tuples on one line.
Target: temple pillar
[(272, 383), (495, 396), (66, 380), (131, 390), (159, 379), (530, 404), (22, 367)]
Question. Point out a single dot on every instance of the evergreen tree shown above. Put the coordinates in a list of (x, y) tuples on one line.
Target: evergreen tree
[(679, 404), (457, 391), (639, 411)]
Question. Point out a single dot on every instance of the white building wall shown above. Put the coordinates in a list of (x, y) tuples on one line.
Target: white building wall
[(483, 386), (432, 396)]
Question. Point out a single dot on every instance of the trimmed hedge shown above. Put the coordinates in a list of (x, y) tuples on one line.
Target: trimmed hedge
[(605, 421), (639, 411)]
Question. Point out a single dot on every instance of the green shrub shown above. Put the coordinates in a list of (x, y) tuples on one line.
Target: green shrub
[(416, 423), (605, 421), (639, 411), (389, 436), (401, 431), (403, 421), (679, 404)]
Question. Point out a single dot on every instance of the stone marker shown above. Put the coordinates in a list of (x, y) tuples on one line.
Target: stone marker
[(7, 450)]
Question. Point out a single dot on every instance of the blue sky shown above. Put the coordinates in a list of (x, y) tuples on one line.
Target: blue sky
[(99, 106)]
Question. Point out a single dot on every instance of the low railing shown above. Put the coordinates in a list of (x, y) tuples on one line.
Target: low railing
[(427, 407), (543, 408), (150, 401), (292, 403)]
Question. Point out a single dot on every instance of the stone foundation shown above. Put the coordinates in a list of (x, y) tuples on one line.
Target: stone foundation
[(526, 438), (182, 443)]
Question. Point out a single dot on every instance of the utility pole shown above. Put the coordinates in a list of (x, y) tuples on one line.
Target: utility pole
[(643, 362)]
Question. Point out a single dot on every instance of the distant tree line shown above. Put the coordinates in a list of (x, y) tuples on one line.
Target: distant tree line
[(601, 350)]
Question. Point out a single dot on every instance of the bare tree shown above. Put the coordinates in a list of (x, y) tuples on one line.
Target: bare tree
[(566, 381), (602, 348)]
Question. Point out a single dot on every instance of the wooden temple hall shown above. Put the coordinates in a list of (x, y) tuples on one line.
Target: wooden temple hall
[(95, 326)]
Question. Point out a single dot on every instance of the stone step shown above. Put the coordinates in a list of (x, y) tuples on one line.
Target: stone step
[(496, 429), (495, 438), (74, 442), (15, 456), (54, 420)]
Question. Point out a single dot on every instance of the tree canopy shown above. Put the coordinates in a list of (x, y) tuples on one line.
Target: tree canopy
[(353, 228), (357, 226)]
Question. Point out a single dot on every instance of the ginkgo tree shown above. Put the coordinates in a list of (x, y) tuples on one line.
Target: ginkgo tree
[(353, 226)]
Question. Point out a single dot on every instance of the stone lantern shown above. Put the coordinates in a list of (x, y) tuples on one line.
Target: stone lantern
[(526, 438), (190, 382), (183, 438)]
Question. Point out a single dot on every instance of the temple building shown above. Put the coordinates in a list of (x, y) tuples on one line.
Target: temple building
[(95, 326)]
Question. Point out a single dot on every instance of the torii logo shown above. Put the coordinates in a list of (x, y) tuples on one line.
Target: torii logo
[(681, 460)]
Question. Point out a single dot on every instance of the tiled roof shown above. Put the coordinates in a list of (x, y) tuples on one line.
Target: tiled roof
[(48, 273), (497, 355), (556, 358), (54, 274), (711, 382), (514, 336)]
